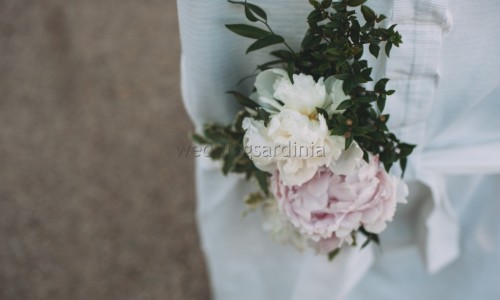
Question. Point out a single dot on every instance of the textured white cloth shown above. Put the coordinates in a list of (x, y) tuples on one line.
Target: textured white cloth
[(447, 101)]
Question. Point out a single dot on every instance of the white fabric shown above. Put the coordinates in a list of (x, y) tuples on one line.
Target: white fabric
[(447, 102)]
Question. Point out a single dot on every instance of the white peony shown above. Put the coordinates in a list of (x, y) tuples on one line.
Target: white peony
[(297, 146), (275, 92)]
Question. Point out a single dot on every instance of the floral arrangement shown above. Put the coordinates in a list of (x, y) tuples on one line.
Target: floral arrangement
[(312, 134)]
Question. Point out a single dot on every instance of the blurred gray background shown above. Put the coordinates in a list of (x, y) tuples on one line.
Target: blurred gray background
[(94, 201)]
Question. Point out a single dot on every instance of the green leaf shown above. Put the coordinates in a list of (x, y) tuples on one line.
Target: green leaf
[(254, 8), (333, 254), (354, 3), (314, 3), (339, 130), (283, 54), (339, 6), (368, 13), (244, 100), (310, 41), (381, 18), (406, 149), (258, 11), (323, 112), (249, 14), (348, 141), (199, 139), (248, 31), (381, 104), (263, 115), (380, 86), (315, 16), (388, 47), (359, 131), (290, 70), (402, 163), (228, 162), (366, 157), (217, 152), (265, 42), (254, 199), (348, 85), (326, 3), (364, 99), (345, 104), (374, 50), (262, 181), (268, 65), (344, 76), (217, 137)]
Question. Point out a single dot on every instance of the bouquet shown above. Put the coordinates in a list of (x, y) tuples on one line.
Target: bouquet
[(312, 134)]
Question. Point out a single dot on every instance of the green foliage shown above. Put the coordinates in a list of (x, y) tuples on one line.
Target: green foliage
[(334, 45), (333, 254), (226, 145), (370, 237)]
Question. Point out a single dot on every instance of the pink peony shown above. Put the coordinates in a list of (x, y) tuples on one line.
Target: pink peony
[(329, 207)]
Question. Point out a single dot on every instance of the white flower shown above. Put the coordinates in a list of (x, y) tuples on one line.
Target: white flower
[(275, 92), (297, 146)]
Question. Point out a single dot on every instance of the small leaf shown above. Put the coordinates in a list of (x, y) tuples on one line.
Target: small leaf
[(265, 42), (326, 3), (249, 14), (381, 18), (339, 130), (380, 86), (388, 47), (290, 70), (333, 254), (368, 13), (344, 76), (354, 3), (254, 8), (364, 99), (345, 104), (339, 6), (348, 141), (228, 163), (199, 139), (258, 11), (315, 16), (268, 65), (348, 85), (283, 54), (244, 100), (359, 131), (263, 115), (366, 157), (314, 3), (321, 111), (310, 41), (402, 163), (381, 104), (216, 137), (406, 149), (374, 50), (248, 31), (262, 181)]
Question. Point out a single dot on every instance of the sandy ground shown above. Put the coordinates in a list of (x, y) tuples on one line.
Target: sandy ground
[(94, 201)]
